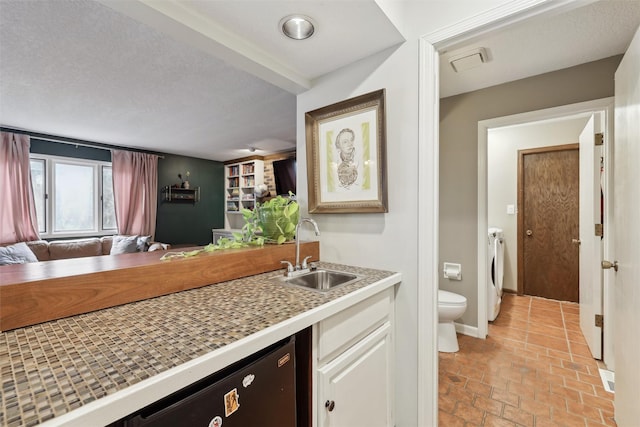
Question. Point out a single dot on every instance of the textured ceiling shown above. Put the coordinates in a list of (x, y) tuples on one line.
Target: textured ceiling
[(543, 44), (210, 79), (114, 72)]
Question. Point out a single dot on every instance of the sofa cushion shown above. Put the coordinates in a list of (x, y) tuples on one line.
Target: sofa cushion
[(143, 243), (18, 253), (62, 249), (107, 242), (124, 245), (157, 246), (40, 248)]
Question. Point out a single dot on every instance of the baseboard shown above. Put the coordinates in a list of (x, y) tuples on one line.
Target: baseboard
[(463, 329)]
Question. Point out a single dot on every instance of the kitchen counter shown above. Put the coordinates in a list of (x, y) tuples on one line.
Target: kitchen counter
[(95, 368)]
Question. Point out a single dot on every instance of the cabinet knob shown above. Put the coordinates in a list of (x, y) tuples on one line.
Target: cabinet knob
[(529, 233), (330, 405), (608, 264)]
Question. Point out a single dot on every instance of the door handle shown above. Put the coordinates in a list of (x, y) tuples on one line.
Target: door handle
[(608, 264), (529, 233), (330, 404), (576, 241)]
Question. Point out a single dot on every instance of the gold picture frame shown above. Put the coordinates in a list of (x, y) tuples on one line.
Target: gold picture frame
[(346, 156)]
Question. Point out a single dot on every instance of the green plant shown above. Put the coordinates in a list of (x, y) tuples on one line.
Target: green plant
[(276, 218), (273, 221)]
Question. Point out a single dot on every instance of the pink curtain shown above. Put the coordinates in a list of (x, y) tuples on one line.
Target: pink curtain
[(18, 220), (135, 190)]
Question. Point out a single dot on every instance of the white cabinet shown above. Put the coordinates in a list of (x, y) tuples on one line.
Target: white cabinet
[(354, 374), (240, 181)]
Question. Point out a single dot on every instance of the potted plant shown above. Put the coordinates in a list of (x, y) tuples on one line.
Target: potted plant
[(276, 218)]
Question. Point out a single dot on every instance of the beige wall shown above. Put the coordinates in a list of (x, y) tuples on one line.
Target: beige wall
[(502, 175), (459, 116)]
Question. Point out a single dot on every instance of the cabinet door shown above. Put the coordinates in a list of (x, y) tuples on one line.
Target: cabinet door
[(355, 388)]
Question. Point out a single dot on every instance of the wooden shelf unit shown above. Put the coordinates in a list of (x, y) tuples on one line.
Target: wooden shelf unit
[(180, 195)]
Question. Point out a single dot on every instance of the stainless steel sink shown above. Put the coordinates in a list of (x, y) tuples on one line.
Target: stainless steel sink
[(321, 280)]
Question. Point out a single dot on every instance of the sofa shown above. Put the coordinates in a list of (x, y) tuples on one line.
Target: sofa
[(95, 246)]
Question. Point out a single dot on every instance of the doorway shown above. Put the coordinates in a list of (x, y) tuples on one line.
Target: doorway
[(500, 139), (548, 222)]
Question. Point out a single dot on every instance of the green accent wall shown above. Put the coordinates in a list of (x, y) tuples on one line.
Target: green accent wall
[(176, 223), (40, 146), (181, 223)]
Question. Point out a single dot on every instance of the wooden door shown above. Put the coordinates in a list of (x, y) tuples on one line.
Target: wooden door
[(548, 209)]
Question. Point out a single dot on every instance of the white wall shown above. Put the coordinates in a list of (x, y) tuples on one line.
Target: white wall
[(502, 175), (388, 241)]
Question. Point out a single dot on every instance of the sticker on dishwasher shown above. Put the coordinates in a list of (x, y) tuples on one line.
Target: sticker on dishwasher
[(231, 402), (283, 360), (246, 381), (216, 421)]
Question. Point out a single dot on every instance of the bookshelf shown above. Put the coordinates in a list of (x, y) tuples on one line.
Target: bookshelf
[(240, 180)]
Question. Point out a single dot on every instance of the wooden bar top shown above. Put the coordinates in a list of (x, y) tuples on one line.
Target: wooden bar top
[(38, 292)]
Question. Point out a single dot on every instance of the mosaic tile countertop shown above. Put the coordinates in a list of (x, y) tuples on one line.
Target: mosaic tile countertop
[(52, 368)]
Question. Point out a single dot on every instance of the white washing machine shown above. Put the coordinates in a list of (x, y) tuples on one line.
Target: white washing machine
[(495, 272)]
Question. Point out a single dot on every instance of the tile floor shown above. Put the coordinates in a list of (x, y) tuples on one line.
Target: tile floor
[(534, 369)]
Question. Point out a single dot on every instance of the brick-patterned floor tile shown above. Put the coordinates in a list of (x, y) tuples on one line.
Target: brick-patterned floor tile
[(579, 385), (493, 421), (579, 349), (511, 374), (607, 417), (471, 372), (491, 406), (478, 388), (495, 380), (559, 356), (550, 378), (597, 401), (586, 411), (523, 391), (548, 342), (446, 403), (540, 319), (553, 400), (505, 396), (564, 418), (446, 419), (461, 395), (548, 330), (536, 408), (570, 395), (591, 379), (545, 422), (563, 372), (469, 413), (517, 415), (534, 369)]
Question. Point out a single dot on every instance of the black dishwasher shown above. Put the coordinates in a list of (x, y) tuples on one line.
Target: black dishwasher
[(257, 391)]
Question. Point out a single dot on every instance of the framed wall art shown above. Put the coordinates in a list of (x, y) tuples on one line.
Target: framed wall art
[(346, 156)]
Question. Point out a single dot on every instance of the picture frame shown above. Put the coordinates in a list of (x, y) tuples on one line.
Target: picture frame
[(346, 156)]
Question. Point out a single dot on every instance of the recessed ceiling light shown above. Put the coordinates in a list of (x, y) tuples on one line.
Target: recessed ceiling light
[(297, 27)]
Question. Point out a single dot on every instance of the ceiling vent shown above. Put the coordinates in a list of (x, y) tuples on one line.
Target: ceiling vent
[(470, 59)]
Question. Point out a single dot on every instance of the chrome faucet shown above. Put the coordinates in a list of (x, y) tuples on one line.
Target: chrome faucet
[(315, 226), (298, 268)]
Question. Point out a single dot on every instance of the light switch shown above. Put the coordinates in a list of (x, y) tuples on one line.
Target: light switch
[(511, 209)]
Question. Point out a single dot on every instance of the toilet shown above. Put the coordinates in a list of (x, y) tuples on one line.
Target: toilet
[(450, 307)]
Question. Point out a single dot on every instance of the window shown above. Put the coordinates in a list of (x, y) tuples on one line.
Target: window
[(73, 197)]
